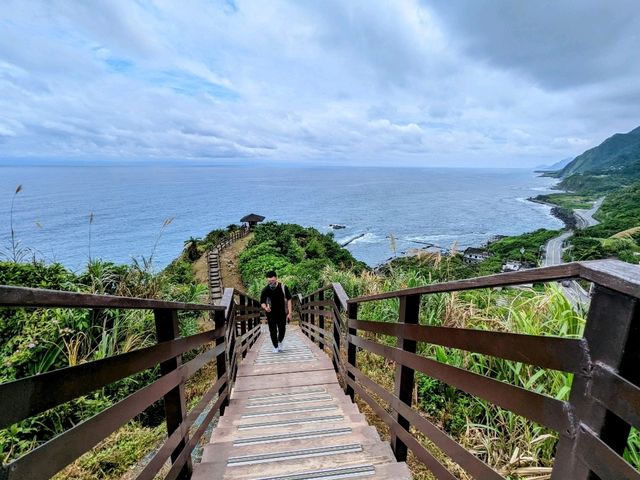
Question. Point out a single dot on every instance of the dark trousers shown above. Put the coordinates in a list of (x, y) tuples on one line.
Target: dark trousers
[(277, 327)]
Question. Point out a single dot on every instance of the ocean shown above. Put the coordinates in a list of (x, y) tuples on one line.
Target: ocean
[(416, 206)]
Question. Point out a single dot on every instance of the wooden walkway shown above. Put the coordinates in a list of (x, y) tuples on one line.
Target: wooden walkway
[(215, 279), (289, 419)]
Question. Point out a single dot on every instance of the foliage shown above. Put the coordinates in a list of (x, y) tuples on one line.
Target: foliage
[(597, 184), (533, 242), (192, 250), (34, 341), (620, 212), (215, 236), (37, 275), (501, 438), (296, 253), (568, 201), (115, 455)]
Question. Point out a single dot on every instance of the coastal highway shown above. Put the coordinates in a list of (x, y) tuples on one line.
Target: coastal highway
[(553, 253), (553, 250), (584, 217)]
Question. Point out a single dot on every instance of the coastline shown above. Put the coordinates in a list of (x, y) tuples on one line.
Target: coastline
[(565, 216)]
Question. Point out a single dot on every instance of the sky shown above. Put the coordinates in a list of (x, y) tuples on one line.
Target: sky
[(495, 83)]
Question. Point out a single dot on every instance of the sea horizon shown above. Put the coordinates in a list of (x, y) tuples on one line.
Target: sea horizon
[(416, 205)]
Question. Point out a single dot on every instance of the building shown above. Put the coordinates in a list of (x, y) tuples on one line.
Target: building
[(252, 220), (515, 266), (475, 255)]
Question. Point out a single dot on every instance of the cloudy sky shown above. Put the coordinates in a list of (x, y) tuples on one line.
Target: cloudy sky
[(402, 82)]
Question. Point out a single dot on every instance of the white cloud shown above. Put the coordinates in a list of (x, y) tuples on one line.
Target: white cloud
[(362, 82)]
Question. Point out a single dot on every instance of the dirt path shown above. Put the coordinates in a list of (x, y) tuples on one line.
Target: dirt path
[(228, 265), (231, 277)]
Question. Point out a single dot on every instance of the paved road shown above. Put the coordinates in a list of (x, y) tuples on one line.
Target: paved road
[(553, 250), (585, 218), (553, 253)]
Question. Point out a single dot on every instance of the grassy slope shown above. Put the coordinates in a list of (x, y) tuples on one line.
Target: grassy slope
[(619, 212), (35, 341), (614, 154), (473, 422)]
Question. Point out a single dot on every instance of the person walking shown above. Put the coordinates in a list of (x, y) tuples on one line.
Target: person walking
[(275, 299)]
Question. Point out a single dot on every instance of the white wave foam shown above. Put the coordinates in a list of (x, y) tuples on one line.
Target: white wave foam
[(366, 238)]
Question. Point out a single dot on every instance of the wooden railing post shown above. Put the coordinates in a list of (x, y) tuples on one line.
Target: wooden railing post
[(312, 317), (321, 321), (221, 360), (304, 316), (256, 320), (404, 377), (175, 408), (614, 345), (243, 323), (352, 313), (252, 321), (336, 337)]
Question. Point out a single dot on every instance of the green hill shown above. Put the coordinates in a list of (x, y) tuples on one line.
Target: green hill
[(614, 155), (613, 164)]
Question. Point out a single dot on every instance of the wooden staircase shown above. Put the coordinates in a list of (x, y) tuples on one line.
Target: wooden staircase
[(288, 418), (213, 259), (215, 279)]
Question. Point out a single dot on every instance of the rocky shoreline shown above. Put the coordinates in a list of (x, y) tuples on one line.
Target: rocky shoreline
[(565, 216)]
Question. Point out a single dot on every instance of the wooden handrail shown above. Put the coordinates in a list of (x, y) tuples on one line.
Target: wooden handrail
[(604, 363), (29, 396), (556, 272), (613, 274), (11, 296)]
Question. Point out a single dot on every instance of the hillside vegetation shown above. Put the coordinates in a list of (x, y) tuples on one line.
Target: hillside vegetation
[(34, 341), (296, 253), (515, 446), (616, 154), (612, 169), (617, 235)]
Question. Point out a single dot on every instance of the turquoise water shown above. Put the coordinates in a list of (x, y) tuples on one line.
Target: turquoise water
[(130, 204)]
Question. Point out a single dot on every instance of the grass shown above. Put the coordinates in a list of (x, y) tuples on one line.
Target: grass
[(513, 445), (34, 341), (116, 455), (568, 200)]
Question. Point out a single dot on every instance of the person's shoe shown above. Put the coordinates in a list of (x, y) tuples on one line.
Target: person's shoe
[(280, 347), (276, 349)]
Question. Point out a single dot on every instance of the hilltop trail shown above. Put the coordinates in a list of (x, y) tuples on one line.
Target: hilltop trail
[(231, 277), (229, 271)]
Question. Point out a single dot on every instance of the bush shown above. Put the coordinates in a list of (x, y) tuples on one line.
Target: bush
[(297, 254)]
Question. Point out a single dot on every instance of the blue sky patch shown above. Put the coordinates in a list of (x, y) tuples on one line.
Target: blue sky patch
[(119, 64), (189, 84)]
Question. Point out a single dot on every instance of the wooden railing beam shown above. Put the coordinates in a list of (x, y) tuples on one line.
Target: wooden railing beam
[(404, 377), (614, 344), (321, 320), (352, 313), (219, 320), (174, 401)]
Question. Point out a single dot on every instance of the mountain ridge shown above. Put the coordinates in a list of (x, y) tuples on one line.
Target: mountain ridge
[(615, 154)]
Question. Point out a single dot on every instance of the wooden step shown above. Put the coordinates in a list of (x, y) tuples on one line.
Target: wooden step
[(231, 434), (394, 471), (288, 418), (265, 442), (300, 462)]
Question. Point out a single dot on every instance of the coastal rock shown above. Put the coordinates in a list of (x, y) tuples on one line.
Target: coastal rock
[(565, 216)]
